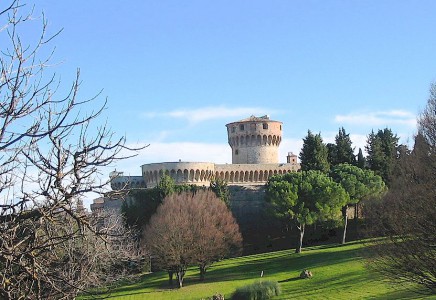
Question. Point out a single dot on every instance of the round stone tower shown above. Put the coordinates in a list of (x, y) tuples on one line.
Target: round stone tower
[(255, 140)]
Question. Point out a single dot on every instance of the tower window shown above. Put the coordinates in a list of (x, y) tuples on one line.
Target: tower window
[(236, 152), (265, 126), (233, 129), (241, 127)]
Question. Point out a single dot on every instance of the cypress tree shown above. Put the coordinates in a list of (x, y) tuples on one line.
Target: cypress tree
[(314, 154)]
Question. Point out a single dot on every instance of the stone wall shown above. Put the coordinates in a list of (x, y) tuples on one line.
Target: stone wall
[(198, 173), (201, 173)]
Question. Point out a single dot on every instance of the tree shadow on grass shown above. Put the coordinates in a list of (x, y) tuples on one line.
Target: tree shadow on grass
[(289, 279)]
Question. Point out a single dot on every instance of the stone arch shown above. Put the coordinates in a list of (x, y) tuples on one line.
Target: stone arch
[(173, 174), (191, 175), (185, 175), (256, 176), (253, 140), (179, 175), (259, 140), (269, 140), (270, 173), (227, 176), (261, 175), (264, 140), (250, 178), (232, 176), (156, 176), (236, 178), (246, 176)]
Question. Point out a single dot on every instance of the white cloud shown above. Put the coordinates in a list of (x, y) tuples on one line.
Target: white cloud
[(194, 116), (379, 118)]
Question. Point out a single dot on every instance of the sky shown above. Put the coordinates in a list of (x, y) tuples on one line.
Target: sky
[(175, 72)]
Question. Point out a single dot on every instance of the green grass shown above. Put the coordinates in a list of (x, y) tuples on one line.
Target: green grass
[(338, 273)]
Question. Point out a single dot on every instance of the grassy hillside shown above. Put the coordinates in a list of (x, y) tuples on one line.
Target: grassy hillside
[(339, 273)]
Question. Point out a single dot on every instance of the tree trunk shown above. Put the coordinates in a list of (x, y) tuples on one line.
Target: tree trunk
[(344, 214), (300, 241), (356, 219), (202, 272), (180, 275), (170, 277)]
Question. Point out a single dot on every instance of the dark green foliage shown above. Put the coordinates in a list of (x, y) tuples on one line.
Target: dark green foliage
[(259, 290), (359, 184), (138, 209), (361, 161), (314, 155), (221, 190), (344, 149), (382, 148), (305, 198), (332, 153)]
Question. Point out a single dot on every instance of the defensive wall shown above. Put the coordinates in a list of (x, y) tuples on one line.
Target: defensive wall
[(201, 173)]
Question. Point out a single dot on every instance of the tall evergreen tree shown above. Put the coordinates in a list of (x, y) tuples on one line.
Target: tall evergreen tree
[(344, 148), (382, 151), (314, 154), (332, 156), (361, 161)]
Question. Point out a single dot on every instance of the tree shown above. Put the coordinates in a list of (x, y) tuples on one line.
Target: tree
[(344, 149), (51, 152), (407, 215), (314, 154), (361, 162), (305, 197), (220, 188), (331, 153), (359, 184), (191, 229), (382, 149), (141, 204), (427, 120)]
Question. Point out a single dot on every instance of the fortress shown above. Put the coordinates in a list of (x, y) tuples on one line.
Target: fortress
[(254, 142)]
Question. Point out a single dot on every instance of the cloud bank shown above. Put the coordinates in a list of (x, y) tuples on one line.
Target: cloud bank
[(198, 115), (379, 118)]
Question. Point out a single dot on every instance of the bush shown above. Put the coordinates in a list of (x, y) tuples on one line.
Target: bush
[(257, 291)]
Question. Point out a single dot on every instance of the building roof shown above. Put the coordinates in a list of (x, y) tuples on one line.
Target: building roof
[(253, 118)]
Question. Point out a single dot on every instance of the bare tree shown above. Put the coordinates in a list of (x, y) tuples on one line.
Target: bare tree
[(407, 216), (191, 229), (50, 155)]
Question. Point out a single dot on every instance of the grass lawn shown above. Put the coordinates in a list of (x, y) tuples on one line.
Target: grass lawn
[(338, 273)]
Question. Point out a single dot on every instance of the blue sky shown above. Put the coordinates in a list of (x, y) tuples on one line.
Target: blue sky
[(175, 72)]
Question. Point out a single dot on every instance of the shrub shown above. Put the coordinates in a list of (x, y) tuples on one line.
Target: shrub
[(258, 290)]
